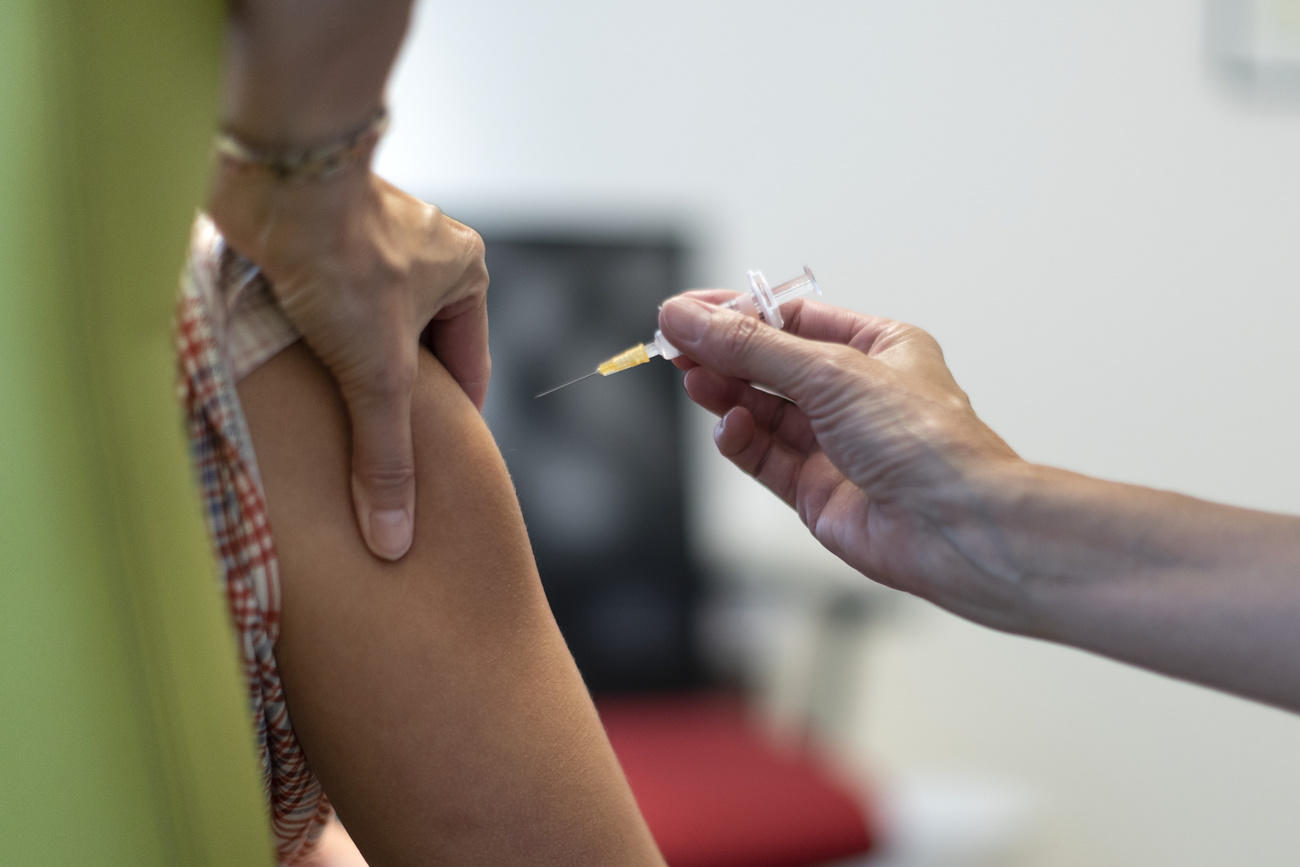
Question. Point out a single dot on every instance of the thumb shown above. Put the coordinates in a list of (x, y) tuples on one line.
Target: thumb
[(741, 346), (383, 470)]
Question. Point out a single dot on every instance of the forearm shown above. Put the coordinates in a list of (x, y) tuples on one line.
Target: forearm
[(1197, 590), (882, 456), (298, 74), (302, 71)]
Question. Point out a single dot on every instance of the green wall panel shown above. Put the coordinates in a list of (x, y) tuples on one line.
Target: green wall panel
[(124, 737)]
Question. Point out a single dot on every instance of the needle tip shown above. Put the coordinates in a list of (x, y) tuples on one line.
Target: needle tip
[(565, 384)]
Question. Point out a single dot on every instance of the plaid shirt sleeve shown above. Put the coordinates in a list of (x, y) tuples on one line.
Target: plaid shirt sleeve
[(227, 324)]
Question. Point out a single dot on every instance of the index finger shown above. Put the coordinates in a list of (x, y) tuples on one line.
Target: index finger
[(815, 320), (459, 337), (810, 319), (711, 296)]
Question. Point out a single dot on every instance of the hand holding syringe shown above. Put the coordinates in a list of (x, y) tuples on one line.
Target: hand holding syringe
[(762, 301)]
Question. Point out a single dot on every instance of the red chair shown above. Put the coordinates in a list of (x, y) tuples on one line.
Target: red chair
[(718, 792)]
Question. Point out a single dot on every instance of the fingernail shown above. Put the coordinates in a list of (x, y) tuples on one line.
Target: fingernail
[(720, 428), (390, 532), (686, 319)]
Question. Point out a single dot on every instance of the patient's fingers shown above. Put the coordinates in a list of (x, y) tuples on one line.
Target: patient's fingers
[(718, 394)]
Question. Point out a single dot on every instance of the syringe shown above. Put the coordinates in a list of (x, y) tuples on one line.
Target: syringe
[(762, 301)]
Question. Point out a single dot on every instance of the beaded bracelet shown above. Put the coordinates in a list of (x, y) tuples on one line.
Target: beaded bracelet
[(299, 165)]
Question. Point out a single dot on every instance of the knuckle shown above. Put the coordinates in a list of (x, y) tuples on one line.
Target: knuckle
[(456, 257), (918, 336), (476, 272), (432, 220), (829, 374), (929, 341), (835, 363), (385, 274), (478, 278), (387, 475), (390, 381), (741, 335), (475, 249)]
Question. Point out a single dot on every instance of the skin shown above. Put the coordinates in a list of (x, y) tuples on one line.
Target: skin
[(434, 696), (301, 71), (883, 458), (361, 268)]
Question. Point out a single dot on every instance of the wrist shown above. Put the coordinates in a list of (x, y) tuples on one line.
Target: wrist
[(983, 517), (1070, 542), (277, 222)]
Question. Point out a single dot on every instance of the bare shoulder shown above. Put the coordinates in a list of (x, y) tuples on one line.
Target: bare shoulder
[(300, 432), (434, 696)]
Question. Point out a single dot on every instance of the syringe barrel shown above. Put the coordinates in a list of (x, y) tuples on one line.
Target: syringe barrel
[(762, 301)]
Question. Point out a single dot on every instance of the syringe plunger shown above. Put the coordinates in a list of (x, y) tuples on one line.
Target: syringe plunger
[(765, 301)]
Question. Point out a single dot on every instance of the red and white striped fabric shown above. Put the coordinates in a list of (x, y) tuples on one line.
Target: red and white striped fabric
[(227, 325)]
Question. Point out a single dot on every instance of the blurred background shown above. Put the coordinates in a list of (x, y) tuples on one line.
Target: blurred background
[(1094, 206)]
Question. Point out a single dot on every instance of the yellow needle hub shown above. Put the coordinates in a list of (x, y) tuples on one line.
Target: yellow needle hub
[(625, 359)]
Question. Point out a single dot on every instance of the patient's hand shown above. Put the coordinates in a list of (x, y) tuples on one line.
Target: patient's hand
[(363, 269)]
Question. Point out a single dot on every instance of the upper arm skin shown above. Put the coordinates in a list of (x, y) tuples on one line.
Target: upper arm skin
[(434, 696)]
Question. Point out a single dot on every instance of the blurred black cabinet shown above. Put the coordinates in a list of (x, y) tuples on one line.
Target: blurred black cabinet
[(597, 466)]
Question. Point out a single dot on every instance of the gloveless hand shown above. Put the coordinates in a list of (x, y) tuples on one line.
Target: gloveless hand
[(363, 270), (875, 448)]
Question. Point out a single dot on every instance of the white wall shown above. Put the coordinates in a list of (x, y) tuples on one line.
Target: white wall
[(1103, 237)]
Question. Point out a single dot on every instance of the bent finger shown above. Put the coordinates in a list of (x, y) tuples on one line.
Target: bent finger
[(816, 320), (756, 452), (459, 338), (718, 394)]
